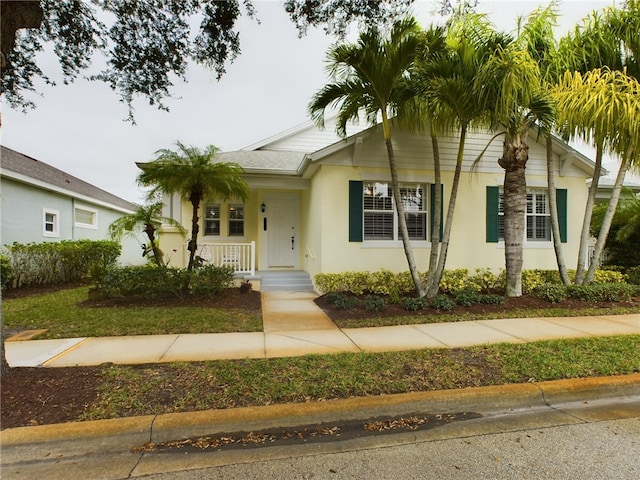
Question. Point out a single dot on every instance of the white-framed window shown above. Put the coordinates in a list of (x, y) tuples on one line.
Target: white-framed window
[(212, 219), (538, 218), (236, 220), (50, 223), (379, 213), (85, 217)]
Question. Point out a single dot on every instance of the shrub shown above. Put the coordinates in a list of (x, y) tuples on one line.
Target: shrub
[(346, 301), (413, 304), (331, 297), (467, 297), (490, 299), (374, 304), (442, 302), (382, 282), (6, 271), (210, 280), (612, 292), (551, 292), (143, 282), (531, 279), (246, 286), (483, 280), (608, 276), (58, 262), (633, 275), (454, 280)]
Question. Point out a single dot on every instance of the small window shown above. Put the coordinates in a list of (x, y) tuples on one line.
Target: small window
[(212, 220), (236, 221), (85, 217), (50, 220)]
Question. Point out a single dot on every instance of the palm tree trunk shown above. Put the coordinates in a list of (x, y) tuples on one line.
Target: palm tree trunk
[(195, 228), (514, 160), (446, 236), (583, 252), (608, 218), (553, 206), (402, 221), (150, 230), (432, 282)]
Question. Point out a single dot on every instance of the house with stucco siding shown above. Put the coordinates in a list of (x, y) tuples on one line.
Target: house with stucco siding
[(322, 204)]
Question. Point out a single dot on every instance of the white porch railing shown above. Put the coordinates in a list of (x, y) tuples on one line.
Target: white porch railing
[(240, 256)]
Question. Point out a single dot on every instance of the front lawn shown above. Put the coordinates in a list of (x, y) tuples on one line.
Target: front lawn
[(67, 314)]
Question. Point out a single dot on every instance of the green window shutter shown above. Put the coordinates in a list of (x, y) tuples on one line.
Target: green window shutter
[(355, 211), (432, 192), (561, 200), (493, 204)]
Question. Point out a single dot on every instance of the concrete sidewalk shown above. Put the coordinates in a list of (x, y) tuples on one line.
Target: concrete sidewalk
[(293, 325)]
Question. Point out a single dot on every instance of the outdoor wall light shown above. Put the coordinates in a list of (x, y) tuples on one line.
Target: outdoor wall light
[(263, 207)]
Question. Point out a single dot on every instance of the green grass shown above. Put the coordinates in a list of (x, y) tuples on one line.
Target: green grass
[(156, 389), (61, 315), (441, 317)]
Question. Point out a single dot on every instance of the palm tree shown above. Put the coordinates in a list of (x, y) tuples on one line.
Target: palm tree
[(602, 40), (444, 80), (511, 89), (149, 219), (193, 174), (370, 76), (603, 105)]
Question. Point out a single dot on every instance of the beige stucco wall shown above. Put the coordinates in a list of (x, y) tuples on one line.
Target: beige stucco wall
[(468, 247), (323, 195), (171, 239)]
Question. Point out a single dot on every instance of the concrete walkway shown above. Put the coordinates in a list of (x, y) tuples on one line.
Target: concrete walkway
[(293, 325)]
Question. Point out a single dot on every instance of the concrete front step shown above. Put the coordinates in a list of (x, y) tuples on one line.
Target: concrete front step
[(293, 281)]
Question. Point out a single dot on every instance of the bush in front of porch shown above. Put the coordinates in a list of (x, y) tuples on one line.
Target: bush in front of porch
[(142, 282)]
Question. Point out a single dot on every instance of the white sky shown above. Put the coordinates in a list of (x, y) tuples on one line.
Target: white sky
[(79, 128)]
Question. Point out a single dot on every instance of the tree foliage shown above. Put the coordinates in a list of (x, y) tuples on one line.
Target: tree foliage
[(146, 43), (147, 219), (370, 77), (193, 174)]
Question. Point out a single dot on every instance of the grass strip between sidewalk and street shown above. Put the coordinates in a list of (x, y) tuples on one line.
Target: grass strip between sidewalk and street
[(181, 387)]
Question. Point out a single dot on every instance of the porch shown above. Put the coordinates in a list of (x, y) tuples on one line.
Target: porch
[(242, 258), (239, 256)]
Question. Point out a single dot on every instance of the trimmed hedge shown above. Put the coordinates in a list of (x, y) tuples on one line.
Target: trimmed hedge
[(610, 292), (149, 281), (481, 286), (58, 262)]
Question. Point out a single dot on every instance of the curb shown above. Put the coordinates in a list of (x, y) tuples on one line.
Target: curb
[(123, 433)]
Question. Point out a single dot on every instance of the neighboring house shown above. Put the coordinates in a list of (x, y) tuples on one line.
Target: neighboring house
[(319, 203), (41, 203)]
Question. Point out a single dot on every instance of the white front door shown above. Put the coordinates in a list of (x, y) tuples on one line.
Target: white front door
[(283, 244)]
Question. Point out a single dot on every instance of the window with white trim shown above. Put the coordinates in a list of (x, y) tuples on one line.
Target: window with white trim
[(379, 212), (212, 220), (50, 223), (236, 220), (85, 217), (538, 218)]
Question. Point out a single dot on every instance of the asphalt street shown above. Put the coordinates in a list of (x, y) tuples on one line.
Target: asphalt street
[(587, 440)]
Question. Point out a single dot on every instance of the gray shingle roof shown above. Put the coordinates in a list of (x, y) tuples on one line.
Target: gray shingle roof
[(35, 169), (264, 160)]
